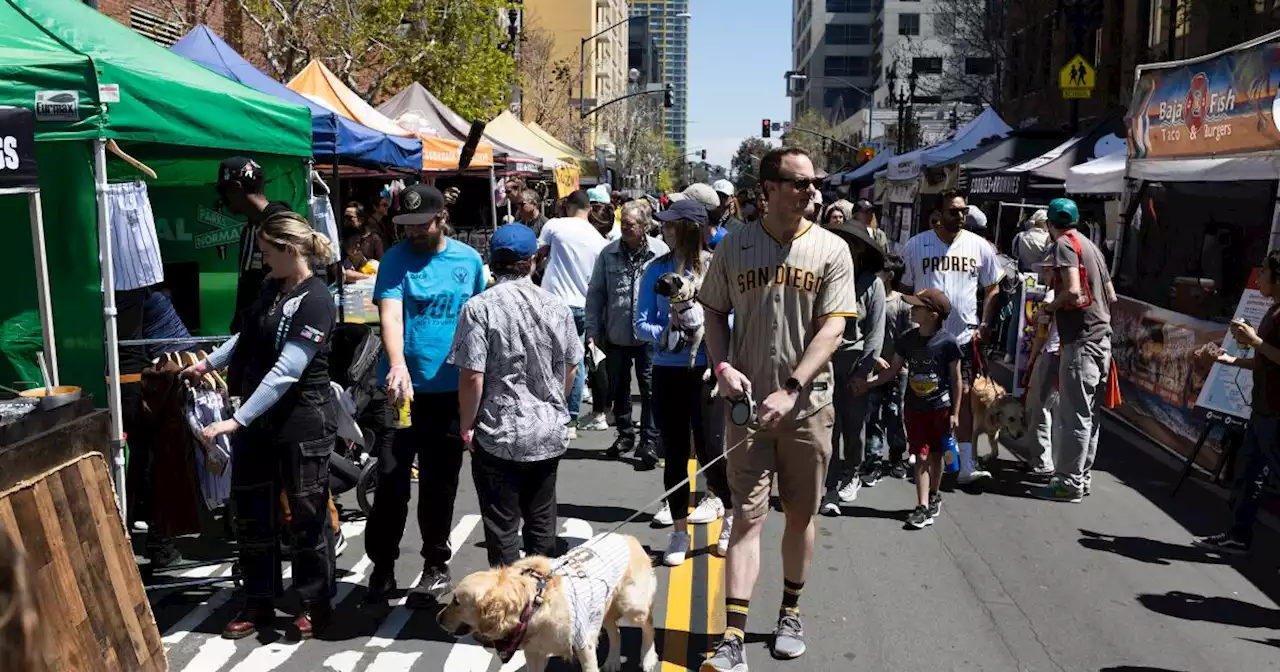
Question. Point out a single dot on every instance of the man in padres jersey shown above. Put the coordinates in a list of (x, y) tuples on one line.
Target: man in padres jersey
[(789, 285), (960, 263)]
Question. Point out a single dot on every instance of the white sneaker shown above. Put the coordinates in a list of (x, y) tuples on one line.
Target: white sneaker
[(587, 397), (340, 545), (726, 531), (849, 493), (663, 517), (973, 476), (596, 423), (709, 509), (677, 549), (573, 433)]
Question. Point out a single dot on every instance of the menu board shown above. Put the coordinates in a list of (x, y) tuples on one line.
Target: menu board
[(1228, 390)]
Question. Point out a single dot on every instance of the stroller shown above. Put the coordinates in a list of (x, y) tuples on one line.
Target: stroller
[(361, 403)]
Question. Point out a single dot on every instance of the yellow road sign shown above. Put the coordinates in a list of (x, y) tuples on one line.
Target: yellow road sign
[(1077, 78)]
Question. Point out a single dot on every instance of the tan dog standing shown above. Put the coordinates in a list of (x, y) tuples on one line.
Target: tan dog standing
[(994, 413), (557, 608)]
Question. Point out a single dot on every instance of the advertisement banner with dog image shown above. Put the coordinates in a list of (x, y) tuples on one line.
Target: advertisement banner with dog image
[(1228, 391), (1211, 106), (1161, 373), (1032, 297)]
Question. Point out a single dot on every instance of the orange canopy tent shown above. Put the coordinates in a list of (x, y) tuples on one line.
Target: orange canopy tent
[(322, 87)]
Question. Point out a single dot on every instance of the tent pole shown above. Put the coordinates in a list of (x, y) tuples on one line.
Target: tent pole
[(493, 196), (43, 296), (109, 321), (337, 213)]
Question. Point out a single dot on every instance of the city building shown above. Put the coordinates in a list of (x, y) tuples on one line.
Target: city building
[(569, 22), (1115, 37), (669, 25), (166, 22), (643, 54), (832, 47)]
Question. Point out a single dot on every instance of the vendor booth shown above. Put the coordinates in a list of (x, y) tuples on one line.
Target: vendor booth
[(416, 109), (511, 131), (1203, 166), (1101, 176), (589, 166)]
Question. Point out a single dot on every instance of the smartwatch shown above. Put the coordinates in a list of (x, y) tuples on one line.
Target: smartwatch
[(791, 385)]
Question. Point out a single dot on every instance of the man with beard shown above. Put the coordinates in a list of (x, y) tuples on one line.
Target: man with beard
[(958, 262), (422, 284), (240, 188)]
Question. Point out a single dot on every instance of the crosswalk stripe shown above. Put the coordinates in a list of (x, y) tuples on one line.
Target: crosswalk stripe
[(393, 661), (467, 656), (343, 661), (267, 657)]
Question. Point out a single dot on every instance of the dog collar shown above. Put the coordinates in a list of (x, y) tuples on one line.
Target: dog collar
[(508, 646)]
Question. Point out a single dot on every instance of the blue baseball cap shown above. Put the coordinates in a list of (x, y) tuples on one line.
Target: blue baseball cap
[(517, 239), (687, 209)]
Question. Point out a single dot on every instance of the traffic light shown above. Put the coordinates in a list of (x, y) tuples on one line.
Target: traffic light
[(669, 97), (704, 155), (765, 128)]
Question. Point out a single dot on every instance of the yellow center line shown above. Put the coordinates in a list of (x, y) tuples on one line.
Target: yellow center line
[(678, 618), (715, 583)]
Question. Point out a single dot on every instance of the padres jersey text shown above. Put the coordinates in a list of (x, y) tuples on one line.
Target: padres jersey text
[(778, 291), (960, 270)]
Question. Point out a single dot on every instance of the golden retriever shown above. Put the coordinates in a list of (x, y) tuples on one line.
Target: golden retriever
[(994, 413), (608, 579)]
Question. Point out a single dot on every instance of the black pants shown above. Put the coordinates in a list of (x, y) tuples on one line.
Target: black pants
[(682, 413), (620, 359), (434, 439), (601, 390), (510, 492), (292, 457)]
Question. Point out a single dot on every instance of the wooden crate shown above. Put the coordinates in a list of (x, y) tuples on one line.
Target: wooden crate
[(57, 502)]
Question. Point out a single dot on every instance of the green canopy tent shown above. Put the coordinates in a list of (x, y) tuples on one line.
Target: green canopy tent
[(89, 81)]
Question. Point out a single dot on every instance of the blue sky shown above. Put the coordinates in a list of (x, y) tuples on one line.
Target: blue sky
[(738, 52)]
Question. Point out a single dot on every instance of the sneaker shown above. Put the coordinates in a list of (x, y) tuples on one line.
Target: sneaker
[(849, 493), (1058, 491), (788, 639), (726, 533), (647, 458), (340, 545), (919, 518), (573, 433), (677, 549), (435, 582), (727, 657), (621, 446), (596, 422), (973, 477), (587, 397), (935, 504), (1224, 543), (1088, 485), (709, 509), (898, 469), (830, 505), (871, 476), (663, 517), (382, 583)]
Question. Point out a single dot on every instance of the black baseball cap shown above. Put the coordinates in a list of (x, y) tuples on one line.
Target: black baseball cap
[(687, 209), (419, 204), (242, 173)]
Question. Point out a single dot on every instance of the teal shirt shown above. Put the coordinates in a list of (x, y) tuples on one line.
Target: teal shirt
[(432, 286)]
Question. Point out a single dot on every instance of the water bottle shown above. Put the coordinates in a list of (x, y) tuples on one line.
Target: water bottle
[(950, 454)]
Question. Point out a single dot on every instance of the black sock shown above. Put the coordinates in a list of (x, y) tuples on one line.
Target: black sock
[(791, 597), (735, 617)]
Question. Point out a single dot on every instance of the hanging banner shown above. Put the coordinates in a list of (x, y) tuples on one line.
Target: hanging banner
[(18, 149), (988, 185), (1213, 106), (566, 180), (1227, 394)]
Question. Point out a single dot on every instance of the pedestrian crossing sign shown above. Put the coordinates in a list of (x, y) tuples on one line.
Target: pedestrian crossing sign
[(1077, 78)]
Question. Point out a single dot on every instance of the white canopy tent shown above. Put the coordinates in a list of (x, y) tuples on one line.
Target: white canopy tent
[(1103, 175)]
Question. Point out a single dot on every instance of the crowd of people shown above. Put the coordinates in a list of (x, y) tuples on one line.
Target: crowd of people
[(784, 346)]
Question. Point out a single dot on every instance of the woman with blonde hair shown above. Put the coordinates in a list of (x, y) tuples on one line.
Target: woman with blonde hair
[(284, 431), (680, 394)]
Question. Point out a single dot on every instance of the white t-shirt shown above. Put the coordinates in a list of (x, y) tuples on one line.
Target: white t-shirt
[(574, 244), (591, 573), (960, 270)]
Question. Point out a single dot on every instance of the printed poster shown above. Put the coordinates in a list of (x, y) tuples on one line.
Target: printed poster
[(1031, 297), (1228, 390)]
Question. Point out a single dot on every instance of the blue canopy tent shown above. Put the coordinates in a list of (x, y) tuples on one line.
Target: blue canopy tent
[(332, 135)]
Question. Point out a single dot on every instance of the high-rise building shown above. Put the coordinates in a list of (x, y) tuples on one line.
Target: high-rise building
[(643, 54), (669, 25), (832, 46), (568, 22)]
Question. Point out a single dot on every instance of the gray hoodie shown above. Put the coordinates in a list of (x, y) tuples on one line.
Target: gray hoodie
[(866, 333)]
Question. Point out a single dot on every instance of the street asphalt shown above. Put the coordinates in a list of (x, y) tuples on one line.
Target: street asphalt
[(1001, 583)]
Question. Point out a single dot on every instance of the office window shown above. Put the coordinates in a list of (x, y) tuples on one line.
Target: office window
[(927, 65), (846, 66), (979, 66), (847, 33), (909, 24), (843, 96), (848, 6)]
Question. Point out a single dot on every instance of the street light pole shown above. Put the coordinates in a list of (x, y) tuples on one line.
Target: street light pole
[(582, 64)]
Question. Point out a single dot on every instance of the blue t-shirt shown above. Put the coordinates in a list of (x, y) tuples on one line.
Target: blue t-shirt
[(433, 287), (929, 360)]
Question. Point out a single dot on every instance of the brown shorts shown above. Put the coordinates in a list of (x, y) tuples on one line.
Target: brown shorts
[(797, 451)]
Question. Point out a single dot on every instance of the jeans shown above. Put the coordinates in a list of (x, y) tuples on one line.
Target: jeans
[(575, 397), (1042, 400), (511, 492), (884, 422), (681, 412), (620, 359), (1260, 455), (850, 451), (435, 440), (293, 460), (1081, 373)]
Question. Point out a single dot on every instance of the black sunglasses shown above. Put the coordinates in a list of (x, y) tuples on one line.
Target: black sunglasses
[(957, 211), (801, 183)]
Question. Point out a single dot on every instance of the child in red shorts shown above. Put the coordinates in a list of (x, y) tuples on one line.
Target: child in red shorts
[(932, 408)]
